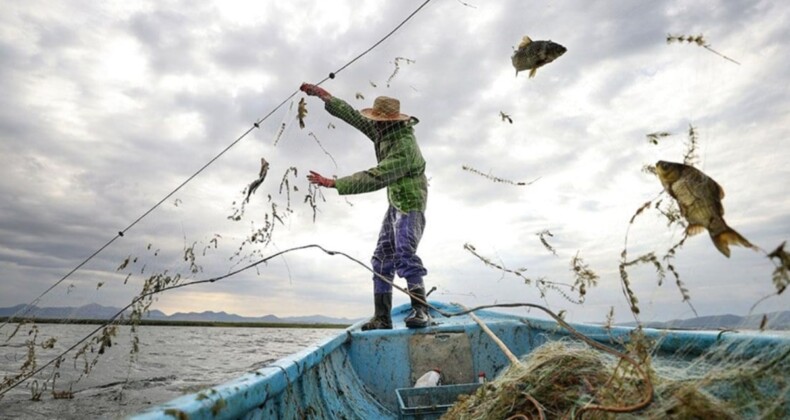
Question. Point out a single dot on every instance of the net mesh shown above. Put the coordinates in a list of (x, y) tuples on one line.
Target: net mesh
[(565, 378), (558, 379), (268, 216), (377, 167)]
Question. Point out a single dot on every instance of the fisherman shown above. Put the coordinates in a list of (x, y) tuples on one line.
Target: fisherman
[(401, 169)]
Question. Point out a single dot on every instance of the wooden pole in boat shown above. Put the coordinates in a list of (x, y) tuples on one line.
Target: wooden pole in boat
[(513, 359)]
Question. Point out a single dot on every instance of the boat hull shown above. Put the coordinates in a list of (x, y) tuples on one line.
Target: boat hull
[(356, 374)]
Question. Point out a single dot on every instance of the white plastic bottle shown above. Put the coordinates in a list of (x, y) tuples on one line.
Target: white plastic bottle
[(431, 378)]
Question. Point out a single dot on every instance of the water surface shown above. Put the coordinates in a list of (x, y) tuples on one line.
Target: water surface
[(172, 361)]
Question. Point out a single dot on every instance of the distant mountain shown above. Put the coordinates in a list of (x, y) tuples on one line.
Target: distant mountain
[(208, 316), (95, 311), (90, 311), (775, 321)]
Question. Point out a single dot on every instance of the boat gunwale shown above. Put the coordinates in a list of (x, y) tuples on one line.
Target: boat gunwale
[(251, 390)]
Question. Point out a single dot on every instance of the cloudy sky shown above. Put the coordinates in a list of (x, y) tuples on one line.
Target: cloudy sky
[(107, 107)]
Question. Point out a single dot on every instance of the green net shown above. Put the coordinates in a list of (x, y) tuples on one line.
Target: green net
[(565, 379), (532, 181)]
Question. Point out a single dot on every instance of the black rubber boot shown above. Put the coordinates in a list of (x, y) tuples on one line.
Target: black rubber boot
[(419, 316), (382, 317)]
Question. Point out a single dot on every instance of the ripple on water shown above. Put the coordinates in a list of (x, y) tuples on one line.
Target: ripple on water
[(173, 361)]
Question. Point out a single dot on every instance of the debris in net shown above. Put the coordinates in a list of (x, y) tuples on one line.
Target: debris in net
[(530, 55), (301, 112), (673, 217), (257, 183), (609, 319), (497, 179), (313, 193), (699, 40), (543, 285), (690, 157), (781, 275), (285, 185), (654, 137), (668, 257), (542, 235), (311, 134), (238, 212), (559, 379), (288, 119), (189, 256), (584, 277), (699, 198), (505, 117), (397, 62), (550, 381), (214, 241), (517, 272), (177, 201), (279, 133), (124, 264)]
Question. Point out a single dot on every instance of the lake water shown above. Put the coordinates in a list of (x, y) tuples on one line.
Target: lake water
[(172, 361)]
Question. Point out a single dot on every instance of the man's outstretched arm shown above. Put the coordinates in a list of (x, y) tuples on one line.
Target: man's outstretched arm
[(315, 90), (318, 179), (341, 109)]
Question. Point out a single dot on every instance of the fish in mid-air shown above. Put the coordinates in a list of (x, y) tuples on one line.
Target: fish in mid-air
[(257, 183), (301, 112), (533, 54), (699, 198)]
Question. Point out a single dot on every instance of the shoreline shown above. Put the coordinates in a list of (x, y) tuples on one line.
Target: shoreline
[(169, 323)]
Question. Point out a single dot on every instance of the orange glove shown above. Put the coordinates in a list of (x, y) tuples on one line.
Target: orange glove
[(316, 178), (313, 90)]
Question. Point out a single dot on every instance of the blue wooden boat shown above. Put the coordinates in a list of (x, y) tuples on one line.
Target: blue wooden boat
[(369, 375)]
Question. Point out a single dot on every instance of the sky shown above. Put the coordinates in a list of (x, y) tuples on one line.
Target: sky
[(107, 107)]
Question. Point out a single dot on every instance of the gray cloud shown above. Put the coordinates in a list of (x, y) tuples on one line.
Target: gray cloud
[(84, 153), (169, 37)]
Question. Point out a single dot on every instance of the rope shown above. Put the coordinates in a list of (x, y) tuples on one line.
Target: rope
[(333, 74), (23, 311), (265, 260)]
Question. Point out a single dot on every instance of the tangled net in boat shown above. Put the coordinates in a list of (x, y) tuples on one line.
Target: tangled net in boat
[(558, 379)]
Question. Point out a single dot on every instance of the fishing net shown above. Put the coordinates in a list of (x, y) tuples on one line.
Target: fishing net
[(259, 226), (249, 236), (564, 379)]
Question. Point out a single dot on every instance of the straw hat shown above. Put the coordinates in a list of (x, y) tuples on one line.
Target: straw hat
[(384, 109)]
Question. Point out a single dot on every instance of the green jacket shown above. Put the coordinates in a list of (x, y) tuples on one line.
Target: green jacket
[(400, 168)]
